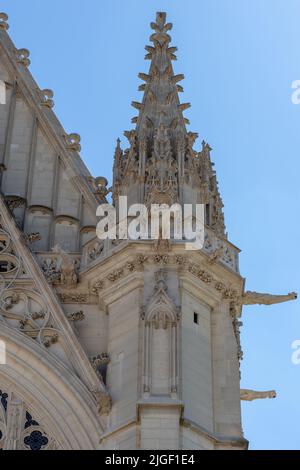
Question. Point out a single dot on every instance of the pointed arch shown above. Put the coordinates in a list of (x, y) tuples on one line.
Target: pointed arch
[(160, 343), (58, 400)]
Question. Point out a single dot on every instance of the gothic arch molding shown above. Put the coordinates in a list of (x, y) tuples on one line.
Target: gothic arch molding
[(59, 400), (160, 344)]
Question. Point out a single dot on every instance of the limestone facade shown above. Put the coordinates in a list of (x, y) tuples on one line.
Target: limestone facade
[(114, 344)]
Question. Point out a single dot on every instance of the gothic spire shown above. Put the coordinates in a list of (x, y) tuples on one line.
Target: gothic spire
[(160, 104), (161, 166)]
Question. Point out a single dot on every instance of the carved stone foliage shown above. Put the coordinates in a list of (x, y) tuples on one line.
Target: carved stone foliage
[(160, 346), (22, 56), (97, 287), (73, 142), (19, 429), (161, 180), (46, 97), (32, 237), (236, 324), (76, 316)]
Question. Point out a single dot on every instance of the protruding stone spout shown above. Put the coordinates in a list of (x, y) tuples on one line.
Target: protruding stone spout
[(252, 298), (250, 395)]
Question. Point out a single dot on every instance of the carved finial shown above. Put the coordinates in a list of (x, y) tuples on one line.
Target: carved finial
[(150, 51), (170, 52), (3, 21), (22, 56), (160, 27), (118, 152), (131, 136), (73, 142), (145, 77), (137, 105), (46, 98), (101, 188), (184, 106), (177, 78), (50, 340)]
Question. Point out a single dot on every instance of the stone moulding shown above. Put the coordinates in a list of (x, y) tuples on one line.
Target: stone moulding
[(138, 261), (54, 381)]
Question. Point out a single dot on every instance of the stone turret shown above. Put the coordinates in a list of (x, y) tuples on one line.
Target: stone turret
[(161, 166)]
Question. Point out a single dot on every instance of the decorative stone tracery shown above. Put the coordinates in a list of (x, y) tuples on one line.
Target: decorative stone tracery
[(18, 429)]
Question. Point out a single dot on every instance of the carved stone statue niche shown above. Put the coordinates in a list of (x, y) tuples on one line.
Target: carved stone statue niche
[(160, 367)]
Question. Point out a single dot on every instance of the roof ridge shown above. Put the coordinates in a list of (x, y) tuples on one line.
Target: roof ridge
[(67, 145)]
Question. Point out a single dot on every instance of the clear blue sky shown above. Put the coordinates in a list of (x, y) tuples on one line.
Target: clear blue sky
[(239, 58)]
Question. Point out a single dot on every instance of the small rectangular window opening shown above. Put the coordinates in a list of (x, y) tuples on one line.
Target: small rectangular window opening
[(196, 318)]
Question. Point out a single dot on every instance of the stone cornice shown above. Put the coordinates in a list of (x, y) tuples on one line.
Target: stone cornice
[(105, 275), (230, 441)]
